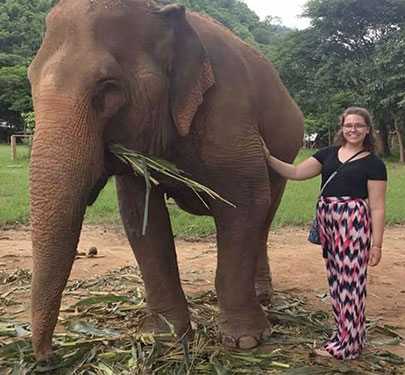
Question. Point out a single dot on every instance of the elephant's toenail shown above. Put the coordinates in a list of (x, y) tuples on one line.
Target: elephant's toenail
[(248, 342), (264, 298), (229, 341)]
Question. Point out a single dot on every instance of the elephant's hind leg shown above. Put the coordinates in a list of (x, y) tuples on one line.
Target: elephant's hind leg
[(155, 254), (263, 281)]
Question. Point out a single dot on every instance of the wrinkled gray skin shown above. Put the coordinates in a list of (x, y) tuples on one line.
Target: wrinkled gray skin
[(173, 84)]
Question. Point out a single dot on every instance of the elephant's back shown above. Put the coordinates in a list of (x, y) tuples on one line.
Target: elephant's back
[(249, 73), (224, 49)]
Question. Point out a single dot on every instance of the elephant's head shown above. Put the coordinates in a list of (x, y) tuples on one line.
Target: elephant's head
[(123, 71)]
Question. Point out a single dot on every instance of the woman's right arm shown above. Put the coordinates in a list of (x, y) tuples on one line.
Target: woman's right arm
[(307, 169)]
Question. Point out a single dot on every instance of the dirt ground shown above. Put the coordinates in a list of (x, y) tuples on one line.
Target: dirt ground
[(297, 266)]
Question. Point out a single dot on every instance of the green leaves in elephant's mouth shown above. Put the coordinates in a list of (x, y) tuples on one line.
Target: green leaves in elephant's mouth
[(143, 165)]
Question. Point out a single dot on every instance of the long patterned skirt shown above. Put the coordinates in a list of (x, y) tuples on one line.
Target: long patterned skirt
[(345, 231)]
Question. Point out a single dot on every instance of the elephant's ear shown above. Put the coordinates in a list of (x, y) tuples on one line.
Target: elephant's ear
[(191, 73)]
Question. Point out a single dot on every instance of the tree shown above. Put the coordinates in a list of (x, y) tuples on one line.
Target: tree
[(22, 25), (29, 121), (262, 35), (14, 94), (272, 20), (355, 24), (387, 90), (333, 63), (227, 3)]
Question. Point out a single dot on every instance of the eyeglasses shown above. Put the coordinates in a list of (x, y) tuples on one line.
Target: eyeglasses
[(354, 126)]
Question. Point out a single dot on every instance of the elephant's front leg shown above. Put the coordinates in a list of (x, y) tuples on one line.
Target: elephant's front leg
[(155, 254), (240, 236)]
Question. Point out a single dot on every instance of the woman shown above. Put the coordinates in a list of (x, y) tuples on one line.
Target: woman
[(351, 229)]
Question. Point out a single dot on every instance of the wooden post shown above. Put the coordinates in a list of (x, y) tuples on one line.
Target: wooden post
[(13, 141)]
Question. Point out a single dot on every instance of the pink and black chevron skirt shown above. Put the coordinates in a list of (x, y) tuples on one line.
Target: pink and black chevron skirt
[(345, 232)]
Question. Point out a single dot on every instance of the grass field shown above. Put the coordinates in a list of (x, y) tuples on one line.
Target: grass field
[(296, 208)]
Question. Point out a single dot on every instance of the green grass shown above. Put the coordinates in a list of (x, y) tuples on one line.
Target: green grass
[(105, 209), (13, 186), (297, 206)]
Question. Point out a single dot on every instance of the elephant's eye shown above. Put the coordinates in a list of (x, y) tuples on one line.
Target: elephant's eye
[(109, 97)]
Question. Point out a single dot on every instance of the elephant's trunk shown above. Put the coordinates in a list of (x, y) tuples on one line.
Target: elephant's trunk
[(66, 163)]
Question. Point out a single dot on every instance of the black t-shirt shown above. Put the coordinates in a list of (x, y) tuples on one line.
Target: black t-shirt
[(351, 180)]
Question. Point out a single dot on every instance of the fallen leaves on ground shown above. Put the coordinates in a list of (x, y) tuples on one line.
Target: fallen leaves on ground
[(101, 336)]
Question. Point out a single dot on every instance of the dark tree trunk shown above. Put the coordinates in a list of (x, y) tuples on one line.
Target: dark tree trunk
[(400, 140), (384, 140)]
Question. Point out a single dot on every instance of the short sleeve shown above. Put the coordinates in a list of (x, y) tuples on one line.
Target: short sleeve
[(377, 170), (322, 154)]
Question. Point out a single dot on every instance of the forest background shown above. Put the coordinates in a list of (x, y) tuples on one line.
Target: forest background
[(353, 53)]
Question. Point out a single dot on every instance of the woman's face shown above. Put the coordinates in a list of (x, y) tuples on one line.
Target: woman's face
[(355, 129)]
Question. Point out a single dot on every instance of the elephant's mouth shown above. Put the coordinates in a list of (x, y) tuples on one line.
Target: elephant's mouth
[(112, 166)]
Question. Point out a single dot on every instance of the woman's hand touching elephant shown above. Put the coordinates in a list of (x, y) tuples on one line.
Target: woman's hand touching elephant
[(307, 169), (266, 151)]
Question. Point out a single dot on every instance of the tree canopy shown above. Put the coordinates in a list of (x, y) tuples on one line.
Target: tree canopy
[(352, 54), (21, 28)]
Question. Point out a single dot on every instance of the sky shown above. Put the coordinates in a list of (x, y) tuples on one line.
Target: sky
[(287, 10)]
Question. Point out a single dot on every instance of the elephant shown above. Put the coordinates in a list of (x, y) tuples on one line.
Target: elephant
[(174, 84)]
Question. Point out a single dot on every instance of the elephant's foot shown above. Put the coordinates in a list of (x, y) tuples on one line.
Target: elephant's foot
[(44, 354), (164, 329), (243, 331), (264, 291), (42, 329)]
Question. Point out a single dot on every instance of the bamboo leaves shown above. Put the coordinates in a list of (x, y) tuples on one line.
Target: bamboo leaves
[(89, 329), (143, 165)]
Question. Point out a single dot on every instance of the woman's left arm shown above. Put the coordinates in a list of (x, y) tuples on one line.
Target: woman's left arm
[(376, 195)]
